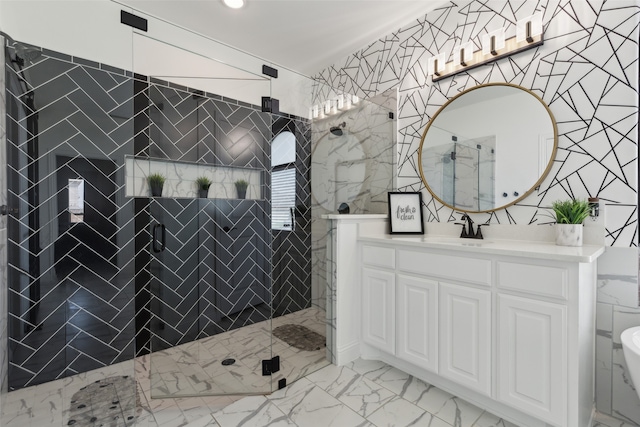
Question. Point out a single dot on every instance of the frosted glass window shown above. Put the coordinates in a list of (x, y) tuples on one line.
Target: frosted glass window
[(283, 149), (283, 194), (76, 200)]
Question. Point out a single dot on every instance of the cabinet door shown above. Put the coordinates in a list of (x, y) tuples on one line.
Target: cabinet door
[(378, 311), (418, 321), (465, 336), (532, 354)]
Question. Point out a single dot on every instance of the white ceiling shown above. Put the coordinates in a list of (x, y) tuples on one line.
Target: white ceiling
[(302, 35)]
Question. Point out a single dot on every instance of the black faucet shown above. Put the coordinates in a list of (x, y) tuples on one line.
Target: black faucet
[(467, 229)]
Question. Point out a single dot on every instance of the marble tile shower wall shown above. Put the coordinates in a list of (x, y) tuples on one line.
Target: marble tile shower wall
[(587, 72), (354, 168)]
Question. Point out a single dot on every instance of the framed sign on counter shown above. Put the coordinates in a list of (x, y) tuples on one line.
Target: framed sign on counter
[(405, 213)]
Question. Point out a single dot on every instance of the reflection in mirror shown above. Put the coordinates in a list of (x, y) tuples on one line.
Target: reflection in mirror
[(487, 148)]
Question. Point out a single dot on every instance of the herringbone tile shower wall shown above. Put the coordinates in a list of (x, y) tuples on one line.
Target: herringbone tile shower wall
[(88, 290), (71, 292), (292, 250)]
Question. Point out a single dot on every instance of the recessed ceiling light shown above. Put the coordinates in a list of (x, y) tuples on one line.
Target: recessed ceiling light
[(234, 4)]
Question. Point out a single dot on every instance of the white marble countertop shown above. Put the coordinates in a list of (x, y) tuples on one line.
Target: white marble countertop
[(354, 216), (538, 250)]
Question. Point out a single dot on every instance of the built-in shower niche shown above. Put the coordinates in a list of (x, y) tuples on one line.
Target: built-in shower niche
[(181, 179)]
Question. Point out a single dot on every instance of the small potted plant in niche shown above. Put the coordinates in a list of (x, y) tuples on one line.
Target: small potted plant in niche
[(203, 184), (569, 217), (156, 182), (241, 187)]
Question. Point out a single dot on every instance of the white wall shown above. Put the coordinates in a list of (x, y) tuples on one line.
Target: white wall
[(92, 30)]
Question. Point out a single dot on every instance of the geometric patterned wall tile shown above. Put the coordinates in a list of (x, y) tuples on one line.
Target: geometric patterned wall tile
[(586, 71)]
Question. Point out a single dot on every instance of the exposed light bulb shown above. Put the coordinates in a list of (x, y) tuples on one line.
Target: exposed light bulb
[(327, 108)]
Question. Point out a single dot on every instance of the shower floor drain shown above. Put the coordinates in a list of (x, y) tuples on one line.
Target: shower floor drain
[(227, 362)]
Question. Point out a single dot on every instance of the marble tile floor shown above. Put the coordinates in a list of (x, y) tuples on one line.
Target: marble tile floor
[(196, 368), (363, 393)]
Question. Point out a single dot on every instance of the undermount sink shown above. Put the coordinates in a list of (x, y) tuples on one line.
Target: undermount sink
[(457, 241)]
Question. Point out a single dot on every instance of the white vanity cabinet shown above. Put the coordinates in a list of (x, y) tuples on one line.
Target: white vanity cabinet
[(532, 334), (511, 330), (378, 298), (378, 309), (417, 321), (465, 336), (532, 356)]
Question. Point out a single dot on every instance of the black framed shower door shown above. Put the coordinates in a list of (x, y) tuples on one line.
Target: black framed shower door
[(210, 297)]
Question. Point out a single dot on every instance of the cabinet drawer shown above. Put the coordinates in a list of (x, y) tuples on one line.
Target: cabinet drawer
[(379, 256), (471, 270), (533, 279)]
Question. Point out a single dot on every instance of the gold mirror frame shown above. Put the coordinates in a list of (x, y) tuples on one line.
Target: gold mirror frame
[(530, 190)]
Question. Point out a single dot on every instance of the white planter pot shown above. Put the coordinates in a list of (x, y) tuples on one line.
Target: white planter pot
[(569, 234)]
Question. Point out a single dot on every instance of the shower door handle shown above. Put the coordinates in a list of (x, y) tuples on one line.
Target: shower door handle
[(163, 238), (293, 218)]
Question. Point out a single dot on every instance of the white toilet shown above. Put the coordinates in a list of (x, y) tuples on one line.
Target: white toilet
[(631, 346)]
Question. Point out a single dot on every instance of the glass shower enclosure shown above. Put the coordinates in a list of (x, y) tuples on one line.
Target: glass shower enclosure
[(177, 295), (210, 304)]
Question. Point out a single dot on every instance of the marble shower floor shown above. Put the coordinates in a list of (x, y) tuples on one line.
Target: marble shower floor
[(195, 368)]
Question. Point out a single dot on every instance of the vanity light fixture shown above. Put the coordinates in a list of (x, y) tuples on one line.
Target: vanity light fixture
[(234, 4), (436, 64), (355, 99), (340, 102), (493, 42), (315, 111), (463, 54), (529, 34), (527, 29)]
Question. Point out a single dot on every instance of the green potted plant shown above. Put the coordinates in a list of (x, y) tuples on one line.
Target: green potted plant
[(203, 184), (241, 187), (156, 182), (570, 215)]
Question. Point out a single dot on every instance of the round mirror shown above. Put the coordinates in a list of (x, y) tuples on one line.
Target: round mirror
[(487, 148)]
